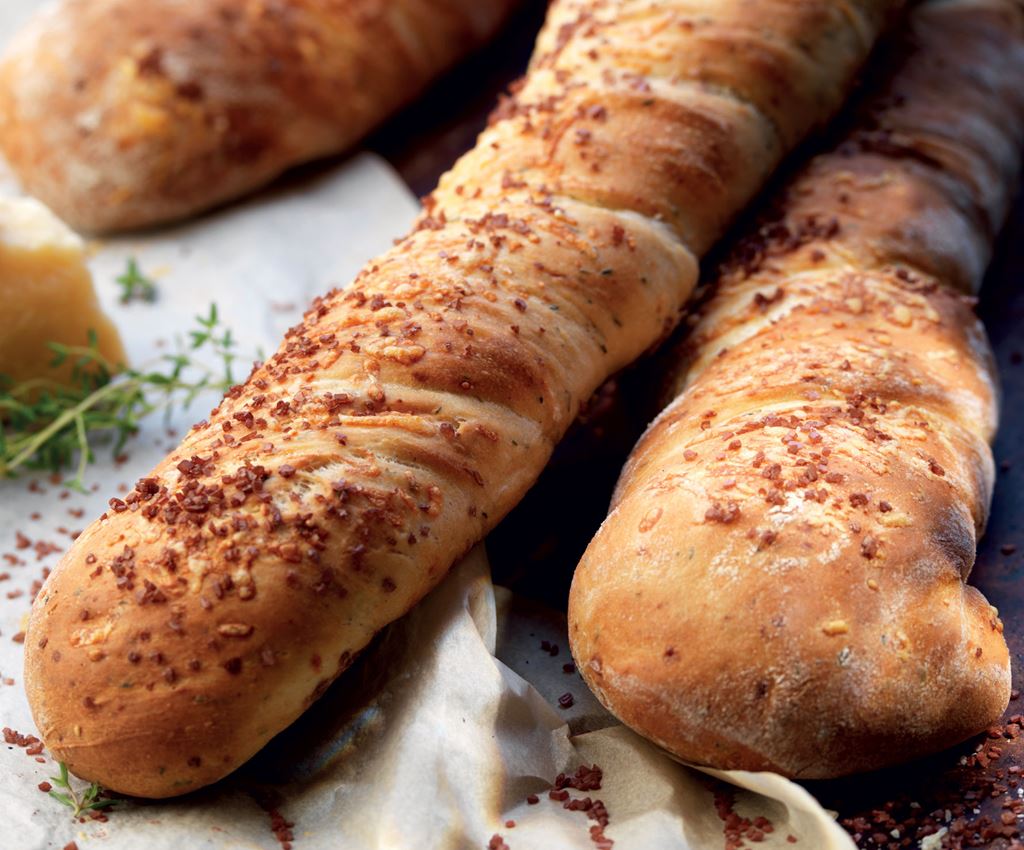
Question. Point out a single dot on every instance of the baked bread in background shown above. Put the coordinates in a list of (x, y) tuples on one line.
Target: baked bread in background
[(121, 114), (408, 413), (780, 584)]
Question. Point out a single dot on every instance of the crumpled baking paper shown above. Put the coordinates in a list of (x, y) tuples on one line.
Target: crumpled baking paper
[(450, 720), (433, 742)]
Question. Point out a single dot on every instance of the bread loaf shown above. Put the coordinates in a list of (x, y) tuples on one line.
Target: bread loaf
[(125, 113), (780, 582), (408, 413)]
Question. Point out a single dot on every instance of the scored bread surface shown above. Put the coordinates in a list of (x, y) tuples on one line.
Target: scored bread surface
[(409, 412), (780, 582)]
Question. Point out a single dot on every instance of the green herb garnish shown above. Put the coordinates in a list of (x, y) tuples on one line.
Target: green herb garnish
[(48, 425), (89, 800), (135, 286)]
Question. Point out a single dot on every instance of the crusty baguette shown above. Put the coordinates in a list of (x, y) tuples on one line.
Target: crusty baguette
[(126, 113), (780, 582), (407, 414)]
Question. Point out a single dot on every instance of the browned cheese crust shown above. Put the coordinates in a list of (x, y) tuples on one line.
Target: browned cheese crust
[(121, 114), (407, 414), (780, 582)]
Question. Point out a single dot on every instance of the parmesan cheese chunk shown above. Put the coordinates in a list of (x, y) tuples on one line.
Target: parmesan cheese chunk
[(46, 294)]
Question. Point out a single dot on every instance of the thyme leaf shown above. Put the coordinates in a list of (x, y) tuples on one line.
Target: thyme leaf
[(135, 286), (79, 803), (45, 424)]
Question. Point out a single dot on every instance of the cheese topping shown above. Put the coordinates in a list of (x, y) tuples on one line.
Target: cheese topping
[(46, 294)]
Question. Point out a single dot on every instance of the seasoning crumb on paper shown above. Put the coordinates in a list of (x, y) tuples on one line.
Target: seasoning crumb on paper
[(982, 805), (738, 830)]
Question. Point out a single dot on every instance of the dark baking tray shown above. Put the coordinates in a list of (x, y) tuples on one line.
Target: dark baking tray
[(535, 548)]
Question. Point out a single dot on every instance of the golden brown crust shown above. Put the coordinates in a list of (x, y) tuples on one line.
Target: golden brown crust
[(120, 114), (407, 414), (780, 583)]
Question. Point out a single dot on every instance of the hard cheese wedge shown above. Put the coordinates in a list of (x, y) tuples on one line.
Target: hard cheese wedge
[(46, 295)]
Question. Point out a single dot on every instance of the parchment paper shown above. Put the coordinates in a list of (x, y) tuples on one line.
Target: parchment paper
[(438, 735)]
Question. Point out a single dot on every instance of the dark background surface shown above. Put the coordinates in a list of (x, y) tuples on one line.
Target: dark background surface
[(536, 547)]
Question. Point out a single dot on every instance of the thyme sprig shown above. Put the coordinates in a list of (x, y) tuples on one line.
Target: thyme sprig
[(46, 424), (89, 800), (135, 286)]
